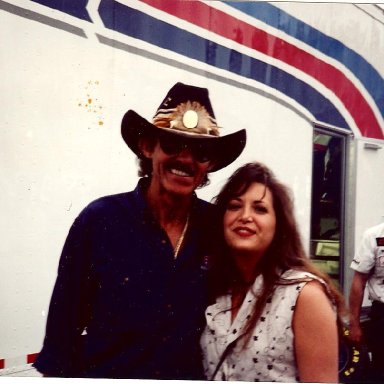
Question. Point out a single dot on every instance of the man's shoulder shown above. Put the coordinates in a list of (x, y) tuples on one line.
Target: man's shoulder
[(109, 201), (205, 209), (109, 206), (112, 199), (203, 204), (378, 230), (375, 231)]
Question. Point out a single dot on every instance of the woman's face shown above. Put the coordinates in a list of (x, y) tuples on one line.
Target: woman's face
[(250, 221)]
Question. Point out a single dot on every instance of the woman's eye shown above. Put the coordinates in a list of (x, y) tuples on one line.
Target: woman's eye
[(233, 207), (261, 209)]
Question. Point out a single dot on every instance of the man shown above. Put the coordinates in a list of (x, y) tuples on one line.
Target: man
[(369, 268), (131, 289)]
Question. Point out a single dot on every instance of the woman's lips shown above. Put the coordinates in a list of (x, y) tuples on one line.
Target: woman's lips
[(244, 231)]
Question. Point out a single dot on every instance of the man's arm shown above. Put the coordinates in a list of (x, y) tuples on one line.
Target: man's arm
[(355, 301), (69, 302)]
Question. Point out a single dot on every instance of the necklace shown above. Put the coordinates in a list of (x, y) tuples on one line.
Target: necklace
[(181, 239)]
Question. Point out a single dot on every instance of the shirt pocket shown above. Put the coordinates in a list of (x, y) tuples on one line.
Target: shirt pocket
[(379, 265)]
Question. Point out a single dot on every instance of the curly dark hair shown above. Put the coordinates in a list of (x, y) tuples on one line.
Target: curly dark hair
[(285, 252)]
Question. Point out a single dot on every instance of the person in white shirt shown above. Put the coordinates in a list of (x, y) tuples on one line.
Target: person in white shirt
[(368, 265), (275, 316)]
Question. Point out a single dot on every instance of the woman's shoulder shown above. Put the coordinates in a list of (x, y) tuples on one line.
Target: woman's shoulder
[(312, 302), (311, 285), (313, 291), (293, 276), (306, 279), (296, 274)]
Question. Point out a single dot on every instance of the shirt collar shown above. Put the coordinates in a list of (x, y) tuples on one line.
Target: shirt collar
[(140, 198)]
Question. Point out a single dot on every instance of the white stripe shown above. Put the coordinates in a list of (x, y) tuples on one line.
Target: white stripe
[(228, 43), (305, 47)]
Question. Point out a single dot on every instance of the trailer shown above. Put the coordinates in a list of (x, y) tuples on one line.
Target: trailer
[(304, 79)]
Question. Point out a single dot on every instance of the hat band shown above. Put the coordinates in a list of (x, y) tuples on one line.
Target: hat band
[(190, 117)]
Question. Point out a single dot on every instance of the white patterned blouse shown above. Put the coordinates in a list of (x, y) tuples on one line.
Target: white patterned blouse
[(269, 353)]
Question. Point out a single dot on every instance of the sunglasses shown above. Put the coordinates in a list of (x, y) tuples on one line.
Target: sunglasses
[(173, 145)]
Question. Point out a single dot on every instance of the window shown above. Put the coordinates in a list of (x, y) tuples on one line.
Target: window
[(327, 222)]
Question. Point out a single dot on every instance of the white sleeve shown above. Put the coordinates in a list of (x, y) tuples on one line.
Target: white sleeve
[(364, 260)]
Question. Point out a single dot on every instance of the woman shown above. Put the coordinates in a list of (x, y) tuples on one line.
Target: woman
[(275, 316)]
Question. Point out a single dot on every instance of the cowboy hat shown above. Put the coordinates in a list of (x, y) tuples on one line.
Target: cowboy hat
[(186, 111)]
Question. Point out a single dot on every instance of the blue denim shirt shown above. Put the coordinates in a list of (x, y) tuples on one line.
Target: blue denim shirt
[(122, 306)]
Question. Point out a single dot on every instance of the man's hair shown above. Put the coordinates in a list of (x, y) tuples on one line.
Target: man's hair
[(145, 164)]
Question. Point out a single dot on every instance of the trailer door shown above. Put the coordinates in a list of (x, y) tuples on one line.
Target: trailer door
[(327, 218)]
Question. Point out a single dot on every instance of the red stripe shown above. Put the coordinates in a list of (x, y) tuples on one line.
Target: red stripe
[(31, 358), (243, 33), (2, 363)]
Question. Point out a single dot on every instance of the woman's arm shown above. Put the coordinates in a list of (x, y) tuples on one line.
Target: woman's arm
[(316, 337)]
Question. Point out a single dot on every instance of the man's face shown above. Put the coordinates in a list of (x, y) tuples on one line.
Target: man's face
[(178, 167)]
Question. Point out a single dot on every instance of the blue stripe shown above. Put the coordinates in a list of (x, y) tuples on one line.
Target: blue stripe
[(136, 24), (72, 7), (364, 71)]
